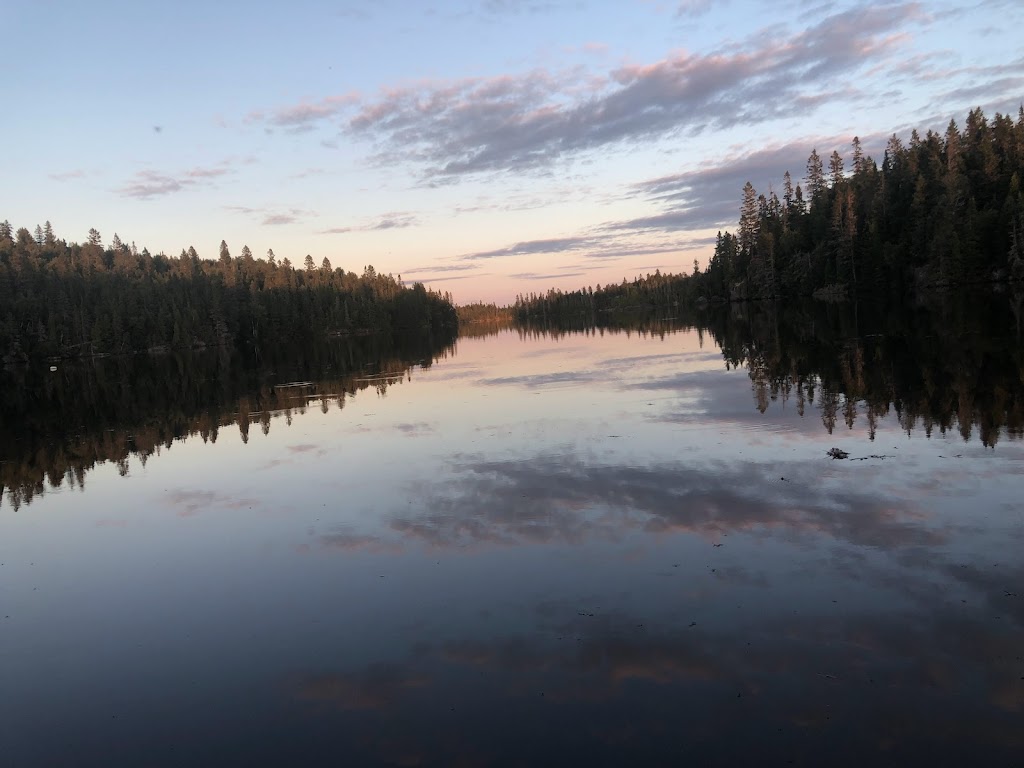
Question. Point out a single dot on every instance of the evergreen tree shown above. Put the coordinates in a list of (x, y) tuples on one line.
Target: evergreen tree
[(815, 176), (858, 156), (835, 165), (748, 219)]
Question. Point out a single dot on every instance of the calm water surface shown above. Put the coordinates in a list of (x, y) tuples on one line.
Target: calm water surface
[(592, 549)]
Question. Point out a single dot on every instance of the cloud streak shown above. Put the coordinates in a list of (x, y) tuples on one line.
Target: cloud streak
[(515, 123), (68, 175), (395, 220), (147, 184)]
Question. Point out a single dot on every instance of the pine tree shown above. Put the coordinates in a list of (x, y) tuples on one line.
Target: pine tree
[(39, 235), (815, 176), (5, 230), (953, 160), (858, 156), (48, 237), (835, 166), (225, 254), (325, 265), (94, 237), (310, 266), (748, 219)]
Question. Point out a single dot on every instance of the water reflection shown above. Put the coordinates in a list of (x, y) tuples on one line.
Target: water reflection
[(954, 366), (57, 426), (589, 548), (939, 369)]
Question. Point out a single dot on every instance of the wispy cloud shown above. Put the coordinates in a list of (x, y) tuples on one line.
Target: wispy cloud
[(148, 183), (694, 8), (550, 276), (518, 6), (530, 247), (394, 220), (278, 219), (438, 268), (605, 244), (515, 123), (304, 116), (449, 278), (709, 196), (68, 175), (271, 217)]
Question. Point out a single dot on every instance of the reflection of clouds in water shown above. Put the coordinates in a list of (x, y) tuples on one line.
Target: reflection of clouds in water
[(560, 498), (190, 503), (543, 379), (731, 397), (307, 448), (682, 357), (274, 463), (445, 373), (879, 682), (608, 370), (297, 451), (559, 351), (604, 370), (414, 429), (350, 541), (376, 687), (1001, 585)]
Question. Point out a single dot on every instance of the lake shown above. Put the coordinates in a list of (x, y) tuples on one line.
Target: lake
[(627, 545)]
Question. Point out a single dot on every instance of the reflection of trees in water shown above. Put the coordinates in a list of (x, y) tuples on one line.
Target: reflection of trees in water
[(638, 323), (57, 426), (957, 366)]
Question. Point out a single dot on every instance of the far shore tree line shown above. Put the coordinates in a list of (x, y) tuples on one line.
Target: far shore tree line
[(61, 299), (940, 210)]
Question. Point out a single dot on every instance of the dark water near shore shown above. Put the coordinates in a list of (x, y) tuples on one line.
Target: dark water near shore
[(531, 548)]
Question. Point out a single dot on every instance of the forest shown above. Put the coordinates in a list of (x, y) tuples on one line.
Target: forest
[(60, 299), (940, 210)]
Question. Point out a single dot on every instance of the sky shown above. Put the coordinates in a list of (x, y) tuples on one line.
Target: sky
[(484, 147)]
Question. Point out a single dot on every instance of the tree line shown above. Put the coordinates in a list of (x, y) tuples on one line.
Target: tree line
[(940, 210), (60, 299)]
